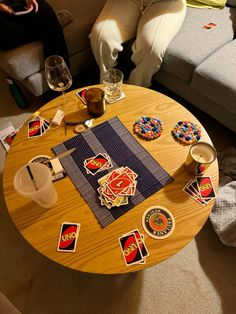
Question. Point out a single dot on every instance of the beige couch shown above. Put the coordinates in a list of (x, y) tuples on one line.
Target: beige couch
[(25, 64)]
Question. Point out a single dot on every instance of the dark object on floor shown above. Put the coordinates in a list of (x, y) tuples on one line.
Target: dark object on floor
[(17, 94)]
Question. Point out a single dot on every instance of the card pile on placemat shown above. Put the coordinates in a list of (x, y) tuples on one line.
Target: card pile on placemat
[(111, 138)]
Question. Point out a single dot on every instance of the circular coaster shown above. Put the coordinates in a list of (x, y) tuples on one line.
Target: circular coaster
[(40, 158), (158, 222), (79, 128), (148, 128), (187, 132)]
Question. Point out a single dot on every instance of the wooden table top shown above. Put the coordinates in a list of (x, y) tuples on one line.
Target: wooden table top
[(98, 249)]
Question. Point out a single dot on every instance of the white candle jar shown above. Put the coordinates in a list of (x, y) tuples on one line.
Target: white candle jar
[(201, 155)]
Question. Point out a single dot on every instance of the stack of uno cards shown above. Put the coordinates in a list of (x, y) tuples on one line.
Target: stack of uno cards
[(38, 126), (116, 187), (133, 248), (98, 163), (201, 190), (68, 237)]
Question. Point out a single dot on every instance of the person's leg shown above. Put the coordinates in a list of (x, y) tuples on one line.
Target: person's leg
[(157, 27), (14, 32), (116, 24), (47, 28), (43, 25)]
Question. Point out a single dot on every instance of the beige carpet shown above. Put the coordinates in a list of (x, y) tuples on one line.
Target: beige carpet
[(201, 278)]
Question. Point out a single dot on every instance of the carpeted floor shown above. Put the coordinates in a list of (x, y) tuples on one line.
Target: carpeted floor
[(201, 278)]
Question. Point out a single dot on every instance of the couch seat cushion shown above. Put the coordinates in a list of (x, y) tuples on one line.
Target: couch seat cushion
[(22, 61), (215, 78), (193, 43)]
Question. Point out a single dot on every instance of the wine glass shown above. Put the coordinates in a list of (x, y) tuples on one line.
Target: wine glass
[(58, 77)]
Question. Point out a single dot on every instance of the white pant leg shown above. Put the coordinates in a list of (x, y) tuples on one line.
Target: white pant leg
[(157, 27), (116, 24)]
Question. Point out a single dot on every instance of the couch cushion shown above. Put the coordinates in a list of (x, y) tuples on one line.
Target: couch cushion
[(215, 77), (22, 61), (193, 43)]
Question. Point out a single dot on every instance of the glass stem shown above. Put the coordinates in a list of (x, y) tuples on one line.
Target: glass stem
[(64, 96), (63, 101)]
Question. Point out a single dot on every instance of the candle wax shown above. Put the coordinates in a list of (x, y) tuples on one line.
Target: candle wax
[(203, 153)]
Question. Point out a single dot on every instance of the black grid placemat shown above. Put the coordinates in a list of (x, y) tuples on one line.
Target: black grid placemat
[(111, 137)]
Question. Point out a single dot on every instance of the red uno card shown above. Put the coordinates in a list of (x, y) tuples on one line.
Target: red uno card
[(209, 26), (116, 186), (205, 187), (34, 128), (140, 241), (81, 95), (120, 183), (192, 189), (130, 249), (68, 237), (93, 165)]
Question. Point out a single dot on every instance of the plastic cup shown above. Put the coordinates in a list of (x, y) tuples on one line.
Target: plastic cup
[(37, 186), (112, 82)]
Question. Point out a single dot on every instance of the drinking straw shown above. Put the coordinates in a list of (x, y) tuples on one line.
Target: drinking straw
[(31, 177)]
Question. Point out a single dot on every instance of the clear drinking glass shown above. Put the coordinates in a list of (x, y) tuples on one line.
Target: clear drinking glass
[(112, 82), (58, 77)]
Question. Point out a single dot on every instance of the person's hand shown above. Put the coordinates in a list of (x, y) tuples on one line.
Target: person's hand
[(32, 4), (5, 9)]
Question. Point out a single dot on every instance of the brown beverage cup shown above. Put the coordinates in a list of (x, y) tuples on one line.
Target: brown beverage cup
[(95, 101)]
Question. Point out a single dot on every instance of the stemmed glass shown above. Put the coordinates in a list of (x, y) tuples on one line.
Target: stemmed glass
[(58, 76)]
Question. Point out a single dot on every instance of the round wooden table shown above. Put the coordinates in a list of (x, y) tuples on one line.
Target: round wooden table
[(98, 249)]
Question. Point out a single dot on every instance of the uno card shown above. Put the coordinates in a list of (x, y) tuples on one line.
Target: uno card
[(131, 173), (81, 95), (205, 187), (116, 186), (192, 189), (192, 193), (140, 241), (34, 128), (119, 184), (95, 164), (193, 186), (46, 124), (130, 249), (209, 26), (68, 237)]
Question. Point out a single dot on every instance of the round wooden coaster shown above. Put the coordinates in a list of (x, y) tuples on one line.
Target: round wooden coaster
[(79, 128)]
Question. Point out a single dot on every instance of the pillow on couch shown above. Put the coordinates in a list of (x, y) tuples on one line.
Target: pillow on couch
[(212, 4)]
